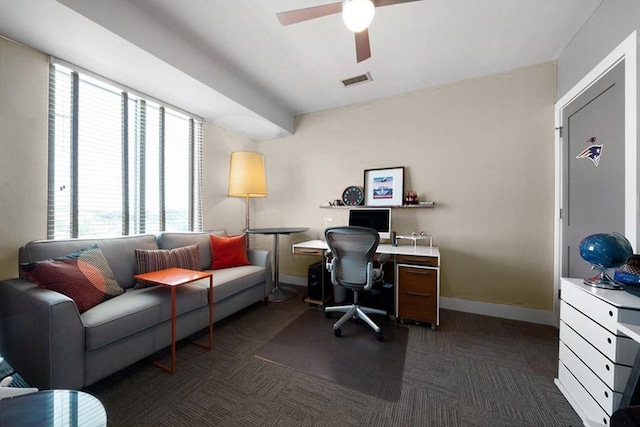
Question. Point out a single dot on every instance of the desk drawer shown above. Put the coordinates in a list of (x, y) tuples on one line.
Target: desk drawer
[(621, 350), (606, 398), (584, 400), (417, 260), (308, 251), (418, 294), (613, 375)]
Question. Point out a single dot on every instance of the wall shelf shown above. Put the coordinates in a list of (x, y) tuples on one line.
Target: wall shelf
[(429, 205)]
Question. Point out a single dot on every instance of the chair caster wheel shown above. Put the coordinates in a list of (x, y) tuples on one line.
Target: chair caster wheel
[(337, 332), (379, 336)]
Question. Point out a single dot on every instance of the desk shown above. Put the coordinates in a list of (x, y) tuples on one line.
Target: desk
[(172, 278), (60, 408), (279, 293), (416, 278)]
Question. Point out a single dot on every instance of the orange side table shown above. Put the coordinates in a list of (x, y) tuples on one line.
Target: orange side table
[(172, 278)]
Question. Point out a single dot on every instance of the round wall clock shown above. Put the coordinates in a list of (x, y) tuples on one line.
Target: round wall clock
[(352, 196)]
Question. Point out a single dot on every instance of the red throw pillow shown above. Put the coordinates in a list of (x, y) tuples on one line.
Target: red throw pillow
[(228, 251)]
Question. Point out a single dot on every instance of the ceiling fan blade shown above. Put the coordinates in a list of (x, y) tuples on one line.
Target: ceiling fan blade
[(380, 3), (363, 48), (300, 15)]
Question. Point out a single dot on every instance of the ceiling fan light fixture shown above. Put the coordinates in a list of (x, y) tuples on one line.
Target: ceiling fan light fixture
[(357, 14)]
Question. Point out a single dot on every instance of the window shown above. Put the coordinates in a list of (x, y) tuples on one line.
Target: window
[(119, 164)]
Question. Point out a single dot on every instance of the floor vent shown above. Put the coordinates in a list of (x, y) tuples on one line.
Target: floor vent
[(363, 78)]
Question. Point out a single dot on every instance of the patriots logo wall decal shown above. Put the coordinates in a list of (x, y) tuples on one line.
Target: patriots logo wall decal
[(592, 152)]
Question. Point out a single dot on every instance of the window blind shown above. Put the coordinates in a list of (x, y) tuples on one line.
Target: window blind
[(119, 164)]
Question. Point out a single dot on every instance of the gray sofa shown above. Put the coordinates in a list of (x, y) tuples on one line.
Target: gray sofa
[(52, 345)]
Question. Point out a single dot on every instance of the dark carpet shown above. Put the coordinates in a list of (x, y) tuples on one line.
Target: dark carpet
[(356, 360), (473, 371)]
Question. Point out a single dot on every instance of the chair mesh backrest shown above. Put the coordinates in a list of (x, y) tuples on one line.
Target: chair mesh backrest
[(352, 248)]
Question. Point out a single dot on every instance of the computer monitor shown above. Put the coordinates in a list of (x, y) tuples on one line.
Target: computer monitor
[(379, 219)]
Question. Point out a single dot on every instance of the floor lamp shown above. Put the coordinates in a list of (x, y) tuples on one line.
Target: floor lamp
[(247, 178)]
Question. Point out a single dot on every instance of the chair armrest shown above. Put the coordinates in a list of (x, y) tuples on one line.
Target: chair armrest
[(41, 335), (262, 258), (369, 284)]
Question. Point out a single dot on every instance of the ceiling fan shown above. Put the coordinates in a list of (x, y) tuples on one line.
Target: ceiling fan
[(356, 14)]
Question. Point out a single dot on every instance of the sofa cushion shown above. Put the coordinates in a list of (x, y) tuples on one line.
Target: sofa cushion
[(139, 309), (228, 251), (172, 240), (230, 281), (119, 252), (159, 259), (84, 276)]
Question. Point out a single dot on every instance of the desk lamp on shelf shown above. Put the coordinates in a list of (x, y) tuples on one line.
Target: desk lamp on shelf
[(247, 178)]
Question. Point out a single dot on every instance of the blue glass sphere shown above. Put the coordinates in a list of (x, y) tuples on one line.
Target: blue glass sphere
[(605, 250)]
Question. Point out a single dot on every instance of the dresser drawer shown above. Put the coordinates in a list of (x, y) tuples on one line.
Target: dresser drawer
[(600, 311), (418, 294), (613, 375), (578, 394), (417, 260), (609, 400), (620, 350)]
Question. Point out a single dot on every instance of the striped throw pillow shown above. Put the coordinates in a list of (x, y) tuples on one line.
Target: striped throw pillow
[(159, 259)]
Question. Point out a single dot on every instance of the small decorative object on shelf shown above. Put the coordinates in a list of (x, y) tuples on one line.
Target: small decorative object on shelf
[(411, 198), (353, 196), (415, 236)]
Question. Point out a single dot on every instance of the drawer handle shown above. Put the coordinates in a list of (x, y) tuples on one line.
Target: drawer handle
[(609, 340), (606, 393), (307, 251), (418, 294), (607, 366), (610, 313), (421, 273)]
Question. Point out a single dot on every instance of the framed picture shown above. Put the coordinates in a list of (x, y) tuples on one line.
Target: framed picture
[(384, 187)]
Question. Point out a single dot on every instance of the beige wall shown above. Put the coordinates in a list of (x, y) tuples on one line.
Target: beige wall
[(23, 151), (481, 149)]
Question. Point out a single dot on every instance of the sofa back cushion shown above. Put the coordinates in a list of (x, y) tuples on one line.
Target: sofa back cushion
[(118, 251), (172, 240)]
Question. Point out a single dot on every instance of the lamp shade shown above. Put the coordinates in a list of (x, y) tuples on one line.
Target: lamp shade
[(247, 176), (357, 14)]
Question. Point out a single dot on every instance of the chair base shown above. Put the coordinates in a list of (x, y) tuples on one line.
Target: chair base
[(355, 311)]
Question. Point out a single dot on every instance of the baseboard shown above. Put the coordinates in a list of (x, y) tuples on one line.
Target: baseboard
[(293, 280), (477, 307), (499, 310)]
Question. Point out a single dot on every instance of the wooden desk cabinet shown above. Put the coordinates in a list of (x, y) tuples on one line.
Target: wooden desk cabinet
[(417, 293)]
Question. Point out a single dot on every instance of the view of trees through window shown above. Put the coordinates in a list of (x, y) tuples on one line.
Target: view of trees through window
[(119, 164)]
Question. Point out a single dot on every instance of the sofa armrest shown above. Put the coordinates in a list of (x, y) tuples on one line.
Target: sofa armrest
[(41, 335), (262, 258)]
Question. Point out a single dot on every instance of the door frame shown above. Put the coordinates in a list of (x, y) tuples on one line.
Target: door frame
[(627, 51)]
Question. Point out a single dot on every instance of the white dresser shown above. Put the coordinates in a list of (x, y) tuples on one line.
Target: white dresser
[(595, 356)]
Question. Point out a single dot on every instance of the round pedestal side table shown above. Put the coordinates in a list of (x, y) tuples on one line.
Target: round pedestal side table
[(279, 293)]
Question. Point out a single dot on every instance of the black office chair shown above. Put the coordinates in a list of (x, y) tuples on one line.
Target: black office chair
[(351, 265)]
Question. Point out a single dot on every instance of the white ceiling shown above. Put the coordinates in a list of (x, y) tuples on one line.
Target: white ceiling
[(232, 63)]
